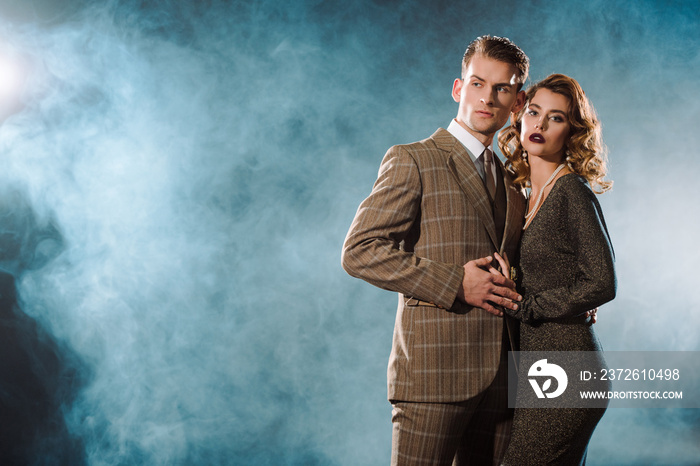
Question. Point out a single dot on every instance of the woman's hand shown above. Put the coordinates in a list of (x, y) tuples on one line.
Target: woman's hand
[(504, 265), (504, 271)]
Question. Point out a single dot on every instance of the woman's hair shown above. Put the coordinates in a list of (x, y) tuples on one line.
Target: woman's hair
[(585, 152)]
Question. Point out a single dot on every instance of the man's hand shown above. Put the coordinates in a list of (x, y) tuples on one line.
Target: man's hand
[(593, 314), (481, 288)]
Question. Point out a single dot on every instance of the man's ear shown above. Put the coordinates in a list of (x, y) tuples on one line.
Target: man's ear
[(519, 102), (457, 90)]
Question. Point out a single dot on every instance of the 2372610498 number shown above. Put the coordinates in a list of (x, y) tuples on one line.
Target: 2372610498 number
[(639, 374)]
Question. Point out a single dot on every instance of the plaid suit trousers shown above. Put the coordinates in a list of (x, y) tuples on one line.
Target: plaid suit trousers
[(471, 432)]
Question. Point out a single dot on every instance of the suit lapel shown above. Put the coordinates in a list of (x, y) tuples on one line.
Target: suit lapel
[(462, 168), (515, 211)]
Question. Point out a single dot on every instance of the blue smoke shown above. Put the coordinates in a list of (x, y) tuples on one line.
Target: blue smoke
[(180, 177)]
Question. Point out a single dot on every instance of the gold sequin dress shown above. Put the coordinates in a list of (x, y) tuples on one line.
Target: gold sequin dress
[(566, 268)]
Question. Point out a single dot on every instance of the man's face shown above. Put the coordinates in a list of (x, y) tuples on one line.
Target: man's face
[(487, 96)]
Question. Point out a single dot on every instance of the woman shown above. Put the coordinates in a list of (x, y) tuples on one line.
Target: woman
[(554, 147)]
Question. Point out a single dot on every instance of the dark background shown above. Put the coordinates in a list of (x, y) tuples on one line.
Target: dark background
[(178, 179)]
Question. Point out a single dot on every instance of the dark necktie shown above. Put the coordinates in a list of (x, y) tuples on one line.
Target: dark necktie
[(488, 173)]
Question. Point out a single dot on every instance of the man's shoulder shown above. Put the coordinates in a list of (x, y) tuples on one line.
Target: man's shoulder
[(439, 142)]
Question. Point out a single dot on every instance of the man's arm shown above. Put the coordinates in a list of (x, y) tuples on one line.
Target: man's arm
[(371, 250)]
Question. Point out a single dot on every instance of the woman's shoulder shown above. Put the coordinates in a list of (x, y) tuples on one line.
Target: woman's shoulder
[(576, 185), (575, 191)]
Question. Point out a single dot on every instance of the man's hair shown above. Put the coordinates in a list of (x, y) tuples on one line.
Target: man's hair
[(501, 49)]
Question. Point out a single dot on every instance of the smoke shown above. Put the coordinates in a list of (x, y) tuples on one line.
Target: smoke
[(180, 177)]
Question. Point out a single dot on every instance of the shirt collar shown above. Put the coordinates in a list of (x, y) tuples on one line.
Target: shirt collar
[(473, 146)]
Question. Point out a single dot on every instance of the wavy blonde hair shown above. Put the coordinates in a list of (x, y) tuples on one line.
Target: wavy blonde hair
[(585, 152)]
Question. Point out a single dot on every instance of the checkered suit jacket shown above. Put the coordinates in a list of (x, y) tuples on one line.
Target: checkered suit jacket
[(427, 215)]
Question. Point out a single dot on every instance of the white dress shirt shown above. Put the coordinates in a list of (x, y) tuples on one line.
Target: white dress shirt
[(473, 146)]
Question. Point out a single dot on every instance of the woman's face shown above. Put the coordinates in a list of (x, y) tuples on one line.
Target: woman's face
[(545, 126)]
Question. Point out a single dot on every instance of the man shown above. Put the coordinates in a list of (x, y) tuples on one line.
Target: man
[(438, 211)]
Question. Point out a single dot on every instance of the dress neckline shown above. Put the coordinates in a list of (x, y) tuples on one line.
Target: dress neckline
[(556, 182)]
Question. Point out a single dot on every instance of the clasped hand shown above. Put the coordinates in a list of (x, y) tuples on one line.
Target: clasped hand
[(485, 287)]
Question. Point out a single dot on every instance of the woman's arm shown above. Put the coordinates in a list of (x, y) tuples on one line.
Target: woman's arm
[(595, 283)]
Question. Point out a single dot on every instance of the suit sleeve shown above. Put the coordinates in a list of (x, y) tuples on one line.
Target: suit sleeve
[(372, 249), (595, 283)]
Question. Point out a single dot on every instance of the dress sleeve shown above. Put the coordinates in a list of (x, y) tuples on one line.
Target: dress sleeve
[(595, 282), (372, 249)]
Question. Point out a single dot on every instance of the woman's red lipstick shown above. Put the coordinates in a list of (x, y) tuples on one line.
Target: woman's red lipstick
[(537, 138)]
